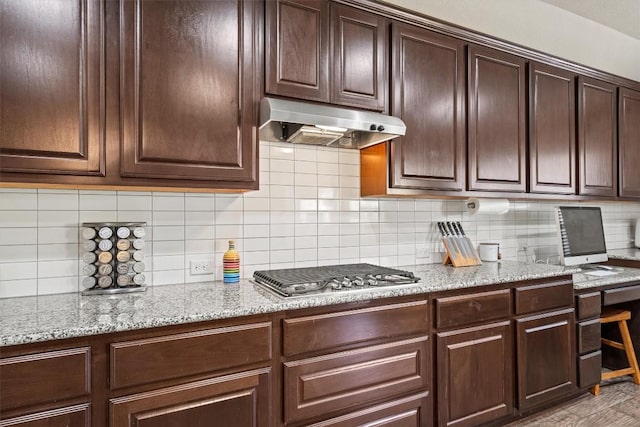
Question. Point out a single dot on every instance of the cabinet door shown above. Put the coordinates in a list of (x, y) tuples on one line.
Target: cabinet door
[(552, 135), (188, 90), (428, 75), (239, 400), (359, 73), (297, 49), (474, 374), (596, 138), (496, 121), (629, 142), (546, 357), (52, 87)]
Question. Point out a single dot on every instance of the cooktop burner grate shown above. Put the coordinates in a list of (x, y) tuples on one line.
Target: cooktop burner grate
[(297, 281)]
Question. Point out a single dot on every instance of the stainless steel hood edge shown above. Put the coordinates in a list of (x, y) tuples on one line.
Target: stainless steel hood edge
[(297, 122)]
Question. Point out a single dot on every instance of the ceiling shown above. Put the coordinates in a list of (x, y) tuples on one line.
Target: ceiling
[(620, 15)]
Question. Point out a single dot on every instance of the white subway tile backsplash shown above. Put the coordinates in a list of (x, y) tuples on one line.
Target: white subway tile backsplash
[(329, 181), (18, 253), (93, 201), (59, 201), (18, 270), (307, 212), (19, 218), (64, 268), (18, 288), (97, 216), (58, 285), (306, 179), (168, 218), (203, 246), (254, 231), (196, 203), (169, 232), (58, 251), (53, 235), (281, 192)]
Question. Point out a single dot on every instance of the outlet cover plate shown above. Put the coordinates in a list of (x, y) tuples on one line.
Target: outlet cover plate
[(201, 267)]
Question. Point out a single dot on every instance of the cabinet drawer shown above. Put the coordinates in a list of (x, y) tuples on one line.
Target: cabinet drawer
[(44, 377), (588, 305), (589, 368), (327, 331), (176, 356), (408, 412), (544, 296), (322, 385), (71, 416), (588, 336), (466, 309), (615, 296)]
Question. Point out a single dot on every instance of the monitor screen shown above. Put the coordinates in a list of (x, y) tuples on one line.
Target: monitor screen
[(581, 235)]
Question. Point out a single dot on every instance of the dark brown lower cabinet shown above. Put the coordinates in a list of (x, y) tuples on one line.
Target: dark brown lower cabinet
[(331, 383), (240, 399), (474, 374), (545, 357)]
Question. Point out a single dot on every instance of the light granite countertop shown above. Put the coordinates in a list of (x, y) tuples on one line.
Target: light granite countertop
[(43, 318)]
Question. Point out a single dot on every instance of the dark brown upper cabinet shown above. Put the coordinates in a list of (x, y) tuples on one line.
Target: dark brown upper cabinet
[(360, 46), (428, 75), (629, 142), (52, 87), (597, 154), (188, 90), (326, 52), (497, 119), (297, 49), (552, 134)]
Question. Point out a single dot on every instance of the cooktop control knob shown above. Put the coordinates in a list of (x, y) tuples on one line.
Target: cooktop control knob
[(335, 284), (372, 127), (346, 282), (358, 281), (380, 128)]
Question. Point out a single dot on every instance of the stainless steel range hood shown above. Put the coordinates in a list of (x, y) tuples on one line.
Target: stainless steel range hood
[(306, 123)]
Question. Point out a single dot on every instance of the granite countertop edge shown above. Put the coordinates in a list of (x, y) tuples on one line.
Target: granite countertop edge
[(63, 316)]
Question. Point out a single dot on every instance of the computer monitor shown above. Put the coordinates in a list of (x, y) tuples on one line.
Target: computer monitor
[(581, 235)]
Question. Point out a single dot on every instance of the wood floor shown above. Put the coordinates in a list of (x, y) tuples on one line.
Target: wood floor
[(618, 405)]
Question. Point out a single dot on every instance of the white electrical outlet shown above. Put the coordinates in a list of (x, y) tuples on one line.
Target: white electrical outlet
[(201, 267)]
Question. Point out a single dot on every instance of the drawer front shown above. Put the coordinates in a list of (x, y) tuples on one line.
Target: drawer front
[(467, 309), (71, 416), (412, 411), (177, 356), (328, 331), (322, 385), (545, 296), (615, 296), (44, 377), (588, 305), (589, 368), (588, 336)]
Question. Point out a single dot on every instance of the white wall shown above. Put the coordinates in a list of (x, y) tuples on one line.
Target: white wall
[(543, 27), (307, 212)]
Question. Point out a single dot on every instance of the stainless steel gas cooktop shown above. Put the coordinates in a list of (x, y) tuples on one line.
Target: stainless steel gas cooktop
[(331, 278)]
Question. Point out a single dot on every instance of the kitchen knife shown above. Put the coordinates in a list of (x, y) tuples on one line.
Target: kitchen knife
[(473, 249), (468, 249), (461, 242)]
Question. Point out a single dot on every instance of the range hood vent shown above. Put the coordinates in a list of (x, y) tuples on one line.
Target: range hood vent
[(305, 123)]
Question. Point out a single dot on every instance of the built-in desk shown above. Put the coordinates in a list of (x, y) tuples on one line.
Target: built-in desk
[(621, 290)]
